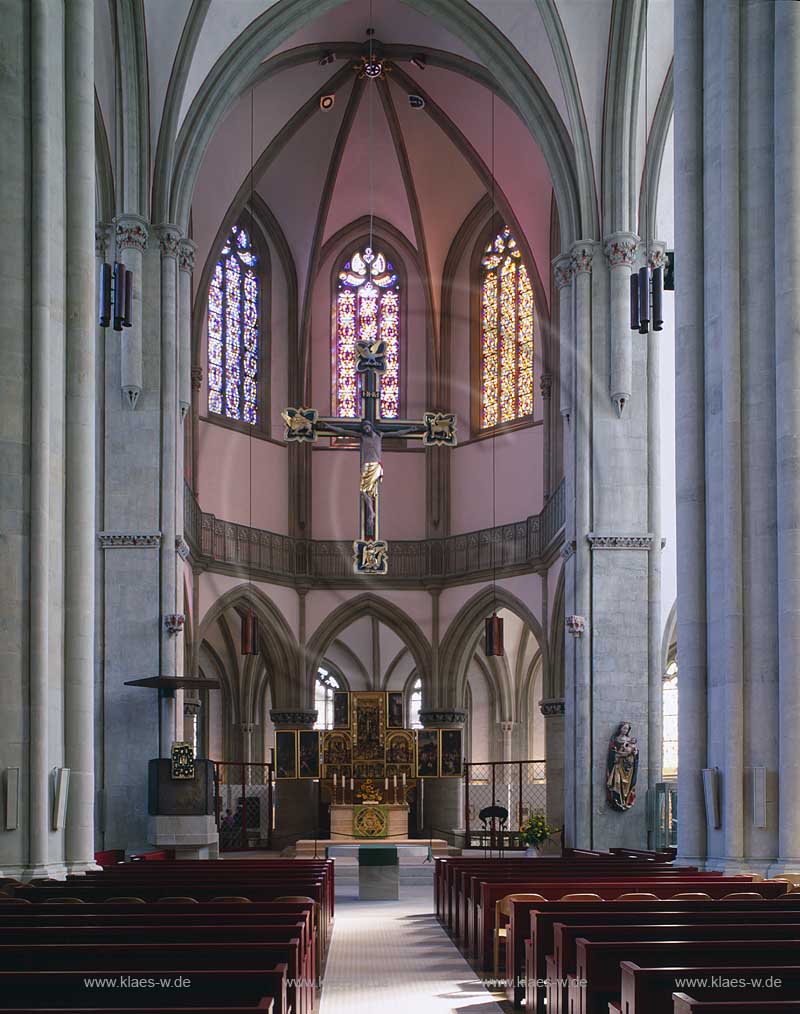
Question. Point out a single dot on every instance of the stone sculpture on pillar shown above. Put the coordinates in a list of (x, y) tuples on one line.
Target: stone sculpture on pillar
[(622, 767)]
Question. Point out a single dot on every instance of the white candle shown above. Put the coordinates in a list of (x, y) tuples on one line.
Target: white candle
[(395, 781), (404, 779), (351, 784), (386, 783), (334, 780)]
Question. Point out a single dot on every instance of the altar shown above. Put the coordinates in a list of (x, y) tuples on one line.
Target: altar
[(369, 821)]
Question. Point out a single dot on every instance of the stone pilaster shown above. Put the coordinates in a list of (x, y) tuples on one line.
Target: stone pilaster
[(186, 260), (553, 713), (620, 250), (132, 237)]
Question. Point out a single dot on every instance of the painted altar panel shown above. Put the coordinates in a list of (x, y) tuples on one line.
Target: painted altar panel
[(368, 725)]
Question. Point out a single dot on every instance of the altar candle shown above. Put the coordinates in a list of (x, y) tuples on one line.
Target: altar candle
[(386, 783), (395, 780), (351, 784), (334, 779), (404, 779)]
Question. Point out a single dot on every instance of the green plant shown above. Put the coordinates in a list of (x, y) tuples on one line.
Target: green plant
[(535, 830)]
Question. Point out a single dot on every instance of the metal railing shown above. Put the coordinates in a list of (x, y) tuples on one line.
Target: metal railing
[(519, 547), (517, 787), (244, 799)]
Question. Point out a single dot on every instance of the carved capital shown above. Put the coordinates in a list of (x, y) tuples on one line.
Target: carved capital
[(620, 249), (132, 232), (546, 385), (173, 623), (620, 541), (169, 239), (576, 625), (102, 234), (568, 550), (435, 718), (582, 255), (657, 254), (298, 719), (562, 271), (197, 377), (552, 708), (129, 540), (187, 251), (182, 547)]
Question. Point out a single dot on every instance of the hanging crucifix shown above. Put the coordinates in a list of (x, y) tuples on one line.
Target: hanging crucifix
[(435, 429)]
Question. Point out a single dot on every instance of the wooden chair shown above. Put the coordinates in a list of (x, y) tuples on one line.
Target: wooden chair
[(580, 896), (691, 896), (121, 900), (503, 908), (234, 898), (637, 896), (65, 901), (178, 900), (743, 896)]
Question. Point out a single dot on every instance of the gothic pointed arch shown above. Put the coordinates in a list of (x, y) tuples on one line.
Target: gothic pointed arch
[(389, 614), (278, 644)]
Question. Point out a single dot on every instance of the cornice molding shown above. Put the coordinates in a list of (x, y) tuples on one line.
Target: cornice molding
[(442, 718), (644, 542), (299, 718), (129, 540)]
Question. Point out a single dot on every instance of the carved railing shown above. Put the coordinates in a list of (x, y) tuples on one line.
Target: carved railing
[(518, 548)]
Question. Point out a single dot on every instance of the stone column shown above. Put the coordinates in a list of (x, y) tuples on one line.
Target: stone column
[(690, 428), (787, 363), (186, 258), (553, 712), (443, 798), (80, 437), (132, 236), (620, 251), (296, 799), (656, 258), (562, 275), (581, 700)]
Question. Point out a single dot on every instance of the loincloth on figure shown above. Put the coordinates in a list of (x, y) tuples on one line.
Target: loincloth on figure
[(371, 475)]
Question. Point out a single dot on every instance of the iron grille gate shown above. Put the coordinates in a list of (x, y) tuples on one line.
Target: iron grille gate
[(244, 801), (518, 787)]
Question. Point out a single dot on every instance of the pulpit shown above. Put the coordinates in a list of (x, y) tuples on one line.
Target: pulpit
[(369, 820)]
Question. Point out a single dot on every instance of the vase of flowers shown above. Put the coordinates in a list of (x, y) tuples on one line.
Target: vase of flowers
[(535, 831), (369, 792)]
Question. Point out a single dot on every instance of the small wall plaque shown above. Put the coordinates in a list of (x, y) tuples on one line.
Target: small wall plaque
[(182, 760)]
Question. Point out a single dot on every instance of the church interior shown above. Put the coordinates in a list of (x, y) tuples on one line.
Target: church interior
[(400, 506)]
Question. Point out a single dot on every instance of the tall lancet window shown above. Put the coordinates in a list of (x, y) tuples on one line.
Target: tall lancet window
[(506, 334), (367, 309), (233, 331)]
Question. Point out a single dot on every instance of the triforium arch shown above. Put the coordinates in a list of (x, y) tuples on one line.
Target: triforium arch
[(389, 614), (463, 634), (234, 71), (277, 642)]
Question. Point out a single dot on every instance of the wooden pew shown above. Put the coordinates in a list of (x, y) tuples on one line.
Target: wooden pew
[(650, 990), (597, 977), (543, 916), (684, 1004), (43, 990), (563, 963), (184, 959)]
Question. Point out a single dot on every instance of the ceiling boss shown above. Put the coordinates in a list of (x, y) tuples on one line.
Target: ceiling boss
[(435, 429)]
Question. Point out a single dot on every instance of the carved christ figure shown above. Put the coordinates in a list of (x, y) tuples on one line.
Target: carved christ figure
[(371, 441)]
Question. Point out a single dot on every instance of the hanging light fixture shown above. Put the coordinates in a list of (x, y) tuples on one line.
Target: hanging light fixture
[(250, 638), (647, 287), (493, 635)]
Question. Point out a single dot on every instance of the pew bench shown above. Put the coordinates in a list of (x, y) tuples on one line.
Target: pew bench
[(650, 990), (684, 1004)]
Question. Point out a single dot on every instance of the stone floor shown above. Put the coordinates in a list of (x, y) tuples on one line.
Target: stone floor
[(389, 957)]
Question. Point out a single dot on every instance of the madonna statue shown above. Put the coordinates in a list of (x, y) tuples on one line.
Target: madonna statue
[(622, 767)]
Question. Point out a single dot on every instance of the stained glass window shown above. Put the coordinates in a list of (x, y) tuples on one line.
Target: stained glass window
[(323, 698), (233, 333), (669, 731), (367, 309), (506, 334)]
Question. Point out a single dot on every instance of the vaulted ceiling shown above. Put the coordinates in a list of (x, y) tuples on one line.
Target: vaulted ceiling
[(430, 166)]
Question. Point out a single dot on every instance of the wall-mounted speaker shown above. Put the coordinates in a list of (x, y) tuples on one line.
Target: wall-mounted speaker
[(60, 794), (711, 793), (11, 799), (759, 797)]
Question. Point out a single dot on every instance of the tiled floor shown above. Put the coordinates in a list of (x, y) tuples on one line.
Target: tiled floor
[(389, 957)]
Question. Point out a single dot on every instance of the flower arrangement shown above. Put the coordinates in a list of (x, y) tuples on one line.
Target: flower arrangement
[(535, 830), (369, 792)]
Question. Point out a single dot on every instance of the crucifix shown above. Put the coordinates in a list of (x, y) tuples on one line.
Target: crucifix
[(435, 429)]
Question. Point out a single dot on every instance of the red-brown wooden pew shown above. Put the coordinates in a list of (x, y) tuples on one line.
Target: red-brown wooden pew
[(683, 1004), (650, 990)]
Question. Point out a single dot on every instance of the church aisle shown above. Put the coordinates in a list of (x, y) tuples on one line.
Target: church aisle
[(393, 956)]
